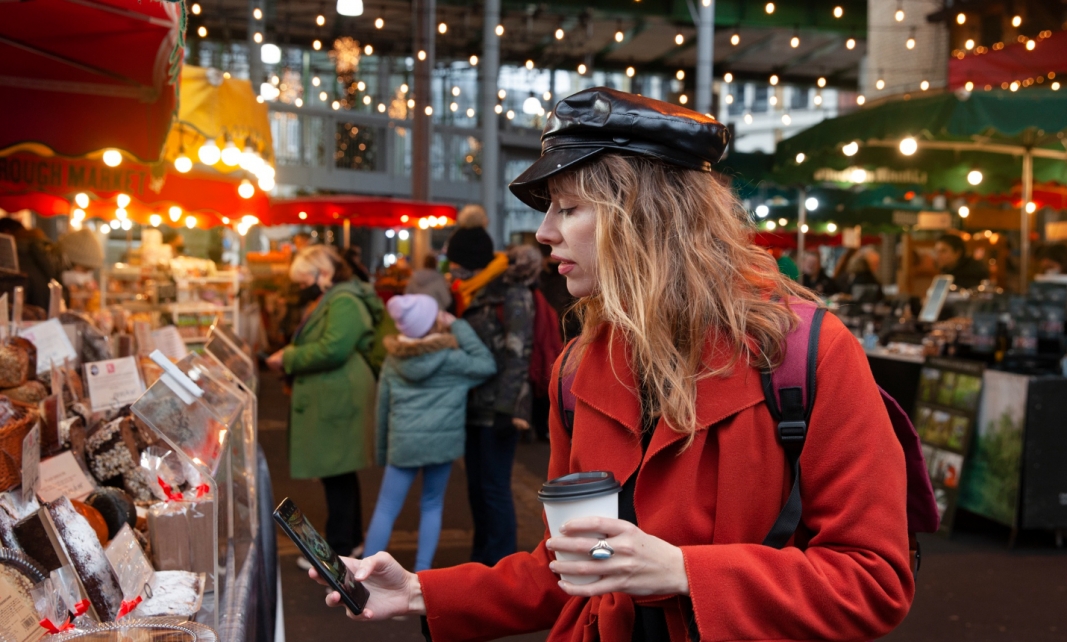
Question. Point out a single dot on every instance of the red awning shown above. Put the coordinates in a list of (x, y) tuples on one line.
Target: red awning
[(80, 76), (788, 240), (362, 211), (49, 185), (1012, 63)]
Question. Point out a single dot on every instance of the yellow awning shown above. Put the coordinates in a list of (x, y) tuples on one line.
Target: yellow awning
[(214, 106)]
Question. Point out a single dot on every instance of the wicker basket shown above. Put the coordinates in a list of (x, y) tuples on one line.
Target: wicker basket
[(11, 436)]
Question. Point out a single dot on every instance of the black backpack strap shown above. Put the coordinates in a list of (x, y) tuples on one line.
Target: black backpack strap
[(566, 414), (790, 403)]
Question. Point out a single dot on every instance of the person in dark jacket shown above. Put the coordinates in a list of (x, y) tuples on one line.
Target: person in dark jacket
[(422, 405), (492, 293), (950, 255), (814, 277), (39, 260)]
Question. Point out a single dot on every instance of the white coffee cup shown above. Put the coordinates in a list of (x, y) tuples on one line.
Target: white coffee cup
[(592, 494)]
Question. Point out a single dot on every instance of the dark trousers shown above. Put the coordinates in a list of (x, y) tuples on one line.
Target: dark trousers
[(490, 455), (344, 513)]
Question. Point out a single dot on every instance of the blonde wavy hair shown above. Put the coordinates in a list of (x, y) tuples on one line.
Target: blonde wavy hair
[(676, 267)]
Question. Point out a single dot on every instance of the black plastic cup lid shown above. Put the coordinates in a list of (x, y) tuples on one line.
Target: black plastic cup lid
[(577, 486)]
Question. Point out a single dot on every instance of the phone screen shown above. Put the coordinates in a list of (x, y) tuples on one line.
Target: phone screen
[(300, 530)]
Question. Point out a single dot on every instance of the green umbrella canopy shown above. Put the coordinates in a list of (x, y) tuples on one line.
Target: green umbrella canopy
[(947, 127)]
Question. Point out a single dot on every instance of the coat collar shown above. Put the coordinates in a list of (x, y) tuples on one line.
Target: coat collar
[(606, 382), (336, 290)]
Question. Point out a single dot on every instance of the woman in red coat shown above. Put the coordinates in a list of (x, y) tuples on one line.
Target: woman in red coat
[(680, 314)]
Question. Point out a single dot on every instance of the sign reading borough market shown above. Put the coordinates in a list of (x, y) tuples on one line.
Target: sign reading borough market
[(857, 175), (24, 172)]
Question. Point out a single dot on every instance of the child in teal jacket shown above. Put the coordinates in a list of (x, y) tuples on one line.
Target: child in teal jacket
[(422, 409)]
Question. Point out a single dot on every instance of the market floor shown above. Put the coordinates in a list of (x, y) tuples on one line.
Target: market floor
[(971, 587)]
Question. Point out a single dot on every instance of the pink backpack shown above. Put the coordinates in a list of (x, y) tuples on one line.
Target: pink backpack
[(790, 394)]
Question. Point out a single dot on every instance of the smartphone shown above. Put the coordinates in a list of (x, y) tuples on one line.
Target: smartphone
[(325, 560)]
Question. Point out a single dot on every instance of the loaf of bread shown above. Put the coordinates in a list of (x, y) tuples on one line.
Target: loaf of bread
[(14, 365), (29, 393)]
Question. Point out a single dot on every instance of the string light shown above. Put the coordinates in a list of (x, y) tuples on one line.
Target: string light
[(511, 114), (800, 158), (910, 42), (969, 86), (794, 42), (787, 119), (155, 219), (899, 15), (202, 31), (850, 44), (818, 100), (500, 30), (1031, 207), (770, 225), (112, 158), (1055, 86), (924, 85), (454, 107), (350, 7), (559, 33), (821, 82), (195, 9), (880, 85), (630, 72), (1017, 21), (209, 153), (974, 177), (748, 118), (316, 45), (379, 23), (470, 112), (257, 13), (336, 105), (774, 79), (421, 55), (619, 35), (547, 96), (81, 199), (190, 221), (838, 11), (860, 99), (320, 20), (362, 86), (683, 99), (728, 77), (969, 44), (851, 149), (368, 50), (680, 74), (175, 213), (961, 18), (474, 61), (769, 7), (246, 189), (735, 39), (679, 39), (1030, 44), (442, 28), (499, 109), (831, 227), (582, 69), (257, 37), (502, 94), (908, 146)]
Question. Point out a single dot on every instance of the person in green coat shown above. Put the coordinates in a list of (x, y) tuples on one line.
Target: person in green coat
[(333, 387), (422, 410)]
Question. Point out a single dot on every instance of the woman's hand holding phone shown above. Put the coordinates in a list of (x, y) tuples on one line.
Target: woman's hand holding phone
[(393, 590)]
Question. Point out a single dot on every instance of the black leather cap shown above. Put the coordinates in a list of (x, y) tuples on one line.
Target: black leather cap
[(602, 120)]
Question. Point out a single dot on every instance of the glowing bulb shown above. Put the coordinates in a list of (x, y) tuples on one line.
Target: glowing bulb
[(499, 30), (924, 85), (679, 39), (630, 71), (323, 96), (183, 163), (860, 99), (831, 227), (368, 50), (582, 69), (499, 109), (880, 84), (105, 228), (969, 86), (202, 31), (1031, 207), (1017, 21), (838, 11), (257, 13), (851, 149), (964, 211), (818, 100), (403, 235), (470, 112), (787, 119), (974, 177), (381, 108), (683, 99), (474, 61), (175, 213), (320, 20), (774, 79), (230, 155), (316, 44), (126, 224), (783, 222), (728, 77), (390, 234), (421, 55), (908, 146), (196, 9), (246, 189), (1030, 45), (969, 44), (502, 94), (748, 119), (804, 228), (858, 175), (81, 199), (1014, 86), (794, 42), (899, 15), (190, 222), (910, 43), (559, 34), (735, 39), (770, 225), (112, 158), (821, 82), (154, 220), (379, 23), (257, 37), (1055, 86), (529, 64), (619, 35), (350, 7), (123, 200), (850, 44), (511, 114), (762, 211), (442, 28), (800, 158), (961, 18), (769, 7)]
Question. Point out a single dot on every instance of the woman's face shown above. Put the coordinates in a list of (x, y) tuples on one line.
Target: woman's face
[(306, 280), (569, 228)]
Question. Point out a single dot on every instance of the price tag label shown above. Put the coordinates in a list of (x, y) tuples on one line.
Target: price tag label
[(31, 462), (169, 342), (52, 343), (61, 475), (113, 383)]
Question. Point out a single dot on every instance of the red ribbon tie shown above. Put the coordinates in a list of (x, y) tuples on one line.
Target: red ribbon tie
[(169, 492), (128, 605)]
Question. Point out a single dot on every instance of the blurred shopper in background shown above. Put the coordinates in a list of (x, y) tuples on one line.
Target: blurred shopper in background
[(333, 387), (431, 282), (814, 277), (422, 410), (950, 255), (491, 292)]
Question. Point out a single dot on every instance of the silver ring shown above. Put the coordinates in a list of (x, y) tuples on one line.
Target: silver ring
[(602, 550)]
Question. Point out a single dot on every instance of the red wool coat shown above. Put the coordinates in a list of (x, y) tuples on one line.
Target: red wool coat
[(849, 580)]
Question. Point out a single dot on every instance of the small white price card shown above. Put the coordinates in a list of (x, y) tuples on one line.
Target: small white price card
[(113, 383), (170, 342), (31, 463), (53, 344), (61, 475)]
